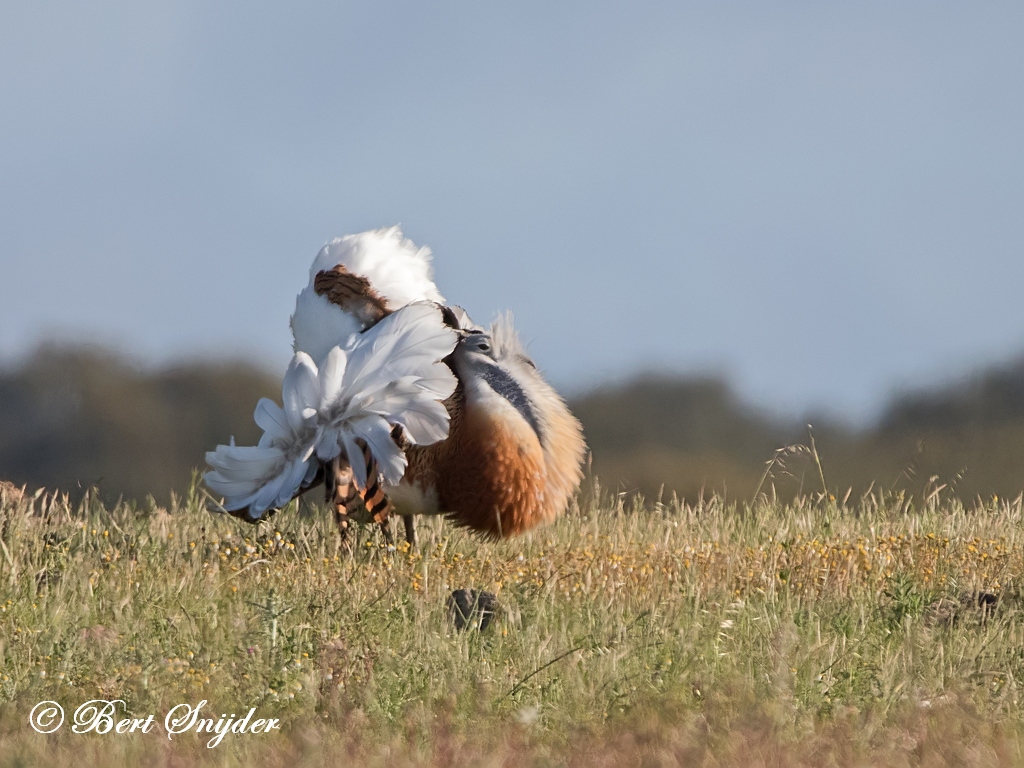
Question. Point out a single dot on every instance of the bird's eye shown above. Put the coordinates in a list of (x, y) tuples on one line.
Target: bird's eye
[(485, 347)]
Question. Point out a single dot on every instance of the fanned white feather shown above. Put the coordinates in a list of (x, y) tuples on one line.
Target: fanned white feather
[(410, 342), (390, 375), (267, 475)]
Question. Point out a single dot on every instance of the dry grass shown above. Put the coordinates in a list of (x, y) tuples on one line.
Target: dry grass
[(820, 633)]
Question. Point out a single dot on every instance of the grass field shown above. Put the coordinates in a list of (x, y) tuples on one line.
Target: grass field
[(821, 633)]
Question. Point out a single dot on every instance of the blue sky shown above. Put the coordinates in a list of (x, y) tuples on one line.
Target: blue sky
[(821, 201)]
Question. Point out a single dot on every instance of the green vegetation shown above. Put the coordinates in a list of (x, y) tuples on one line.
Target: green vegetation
[(876, 631), (72, 418)]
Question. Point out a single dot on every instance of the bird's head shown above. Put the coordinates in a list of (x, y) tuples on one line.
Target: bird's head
[(492, 381), (494, 368), (475, 347)]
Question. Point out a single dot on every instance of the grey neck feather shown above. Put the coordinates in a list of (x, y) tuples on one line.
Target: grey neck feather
[(503, 383)]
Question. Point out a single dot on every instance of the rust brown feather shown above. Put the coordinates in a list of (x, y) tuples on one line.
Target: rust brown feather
[(489, 475), (353, 293)]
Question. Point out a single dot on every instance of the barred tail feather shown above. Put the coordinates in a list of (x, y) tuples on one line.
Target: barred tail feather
[(348, 498), (377, 503)]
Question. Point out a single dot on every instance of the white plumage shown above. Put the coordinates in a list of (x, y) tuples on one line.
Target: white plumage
[(399, 271), (389, 376), (265, 476), (393, 376), (397, 268)]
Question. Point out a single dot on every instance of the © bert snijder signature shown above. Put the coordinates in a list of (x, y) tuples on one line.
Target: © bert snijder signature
[(101, 716)]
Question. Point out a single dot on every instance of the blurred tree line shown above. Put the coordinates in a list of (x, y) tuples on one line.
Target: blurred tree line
[(74, 417), (658, 436)]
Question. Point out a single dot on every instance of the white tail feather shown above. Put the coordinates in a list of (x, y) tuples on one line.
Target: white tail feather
[(390, 375)]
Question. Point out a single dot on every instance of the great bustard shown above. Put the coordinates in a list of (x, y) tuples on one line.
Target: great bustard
[(441, 417)]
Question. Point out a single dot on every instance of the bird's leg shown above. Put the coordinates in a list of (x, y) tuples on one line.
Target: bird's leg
[(385, 528), (341, 494), (410, 529), (379, 507)]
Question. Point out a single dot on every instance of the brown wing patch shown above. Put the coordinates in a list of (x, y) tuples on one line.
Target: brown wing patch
[(353, 293)]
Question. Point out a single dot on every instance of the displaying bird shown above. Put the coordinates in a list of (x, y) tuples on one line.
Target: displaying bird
[(473, 431)]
